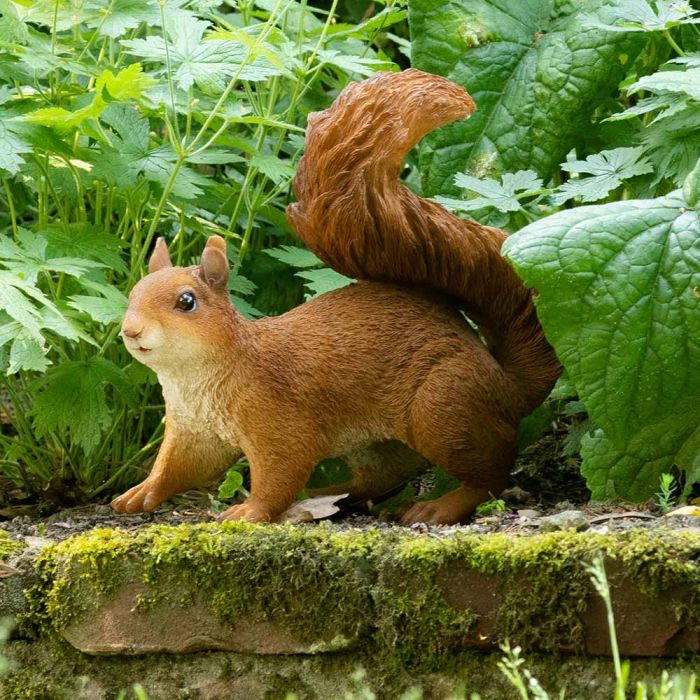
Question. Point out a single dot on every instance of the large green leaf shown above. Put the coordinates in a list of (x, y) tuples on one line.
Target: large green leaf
[(72, 398), (619, 298), (535, 72)]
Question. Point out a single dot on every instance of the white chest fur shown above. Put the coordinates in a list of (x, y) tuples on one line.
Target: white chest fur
[(201, 406)]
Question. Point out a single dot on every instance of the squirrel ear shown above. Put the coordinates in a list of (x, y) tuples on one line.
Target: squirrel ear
[(160, 257), (215, 263)]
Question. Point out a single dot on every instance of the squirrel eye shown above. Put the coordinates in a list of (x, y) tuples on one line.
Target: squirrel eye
[(186, 302)]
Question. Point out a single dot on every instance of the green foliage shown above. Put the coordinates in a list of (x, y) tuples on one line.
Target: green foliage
[(666, 494), (121, 121), (535, 75), (617, 282)]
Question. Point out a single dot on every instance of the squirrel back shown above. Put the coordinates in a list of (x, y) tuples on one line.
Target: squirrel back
[(356, 216)]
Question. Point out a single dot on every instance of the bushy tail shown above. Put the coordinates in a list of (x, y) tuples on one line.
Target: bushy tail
[(353, 212)]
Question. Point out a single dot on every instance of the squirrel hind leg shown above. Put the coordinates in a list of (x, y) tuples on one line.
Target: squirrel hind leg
[(460, 422)]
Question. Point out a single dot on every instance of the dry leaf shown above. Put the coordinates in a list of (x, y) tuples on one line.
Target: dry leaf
[(311, 509), (684, 510)]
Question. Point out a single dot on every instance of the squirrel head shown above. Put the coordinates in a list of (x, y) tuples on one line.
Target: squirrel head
[(178, 316)]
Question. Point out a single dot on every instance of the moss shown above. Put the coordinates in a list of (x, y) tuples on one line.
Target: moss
[(8, 546), (54, 671), (324, 583)]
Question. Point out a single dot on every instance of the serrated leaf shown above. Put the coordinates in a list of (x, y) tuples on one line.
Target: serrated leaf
[(71, 398), (278, 170), (101, 309), (619, 298), (675, 81), (119, 15), (501, 195), (672, 145), (641, 16), (242, 285), (129, 83), (322, 281), (534, 73), (361, 65), (210, 64), (294, 257), (130, 156), (245, 308), (12, 148), (28, 354), (86, 242), (608, 170)]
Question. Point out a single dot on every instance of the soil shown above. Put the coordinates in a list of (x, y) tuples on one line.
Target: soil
[(520, 519), (543, 485)]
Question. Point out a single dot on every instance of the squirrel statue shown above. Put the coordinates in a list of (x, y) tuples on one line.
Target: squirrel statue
[(388, 358)]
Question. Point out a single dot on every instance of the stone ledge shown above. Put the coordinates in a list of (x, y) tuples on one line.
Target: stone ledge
[(49, 670), (316, 588)]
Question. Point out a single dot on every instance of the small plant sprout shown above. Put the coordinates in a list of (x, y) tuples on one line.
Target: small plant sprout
[(519, 677), (666, 495), (494, 506)]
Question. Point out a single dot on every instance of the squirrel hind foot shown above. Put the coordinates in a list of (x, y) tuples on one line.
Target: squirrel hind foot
[(452, 508)]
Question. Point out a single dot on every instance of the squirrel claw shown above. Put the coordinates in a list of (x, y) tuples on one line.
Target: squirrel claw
[(250, 512), (142, 498)]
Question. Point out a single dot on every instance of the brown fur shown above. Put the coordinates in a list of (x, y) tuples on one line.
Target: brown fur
[(375, 361)]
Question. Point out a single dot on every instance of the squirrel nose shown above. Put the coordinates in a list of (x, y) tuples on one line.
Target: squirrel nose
[(131, 333), (131, 330)]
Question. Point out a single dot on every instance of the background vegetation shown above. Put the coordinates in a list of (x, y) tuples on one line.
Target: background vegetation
[(121, 120)]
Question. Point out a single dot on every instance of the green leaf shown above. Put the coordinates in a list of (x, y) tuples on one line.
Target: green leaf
[(278, 170), (242, 285), (86, 242), (107, 309), (118, 16), (245, 308), (691, 186), (619, 298), (71, 398), (685, 82), (503, 195), (129, 83), (12, 147), (322, 281), (294, 257), (534, 73), (361, 65), (130, 155), (673, 144), (27, 353), (231, 485), (608, 170), (640, 16), (208, 63)]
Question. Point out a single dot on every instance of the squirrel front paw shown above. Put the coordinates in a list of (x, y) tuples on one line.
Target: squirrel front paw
[(250, 511), (143, 497)]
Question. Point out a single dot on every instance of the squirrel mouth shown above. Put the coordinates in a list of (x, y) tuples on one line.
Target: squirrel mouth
[(145, 350)]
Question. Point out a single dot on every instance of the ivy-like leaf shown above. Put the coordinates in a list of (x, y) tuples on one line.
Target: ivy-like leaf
[(619, 298), (608, 169)]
